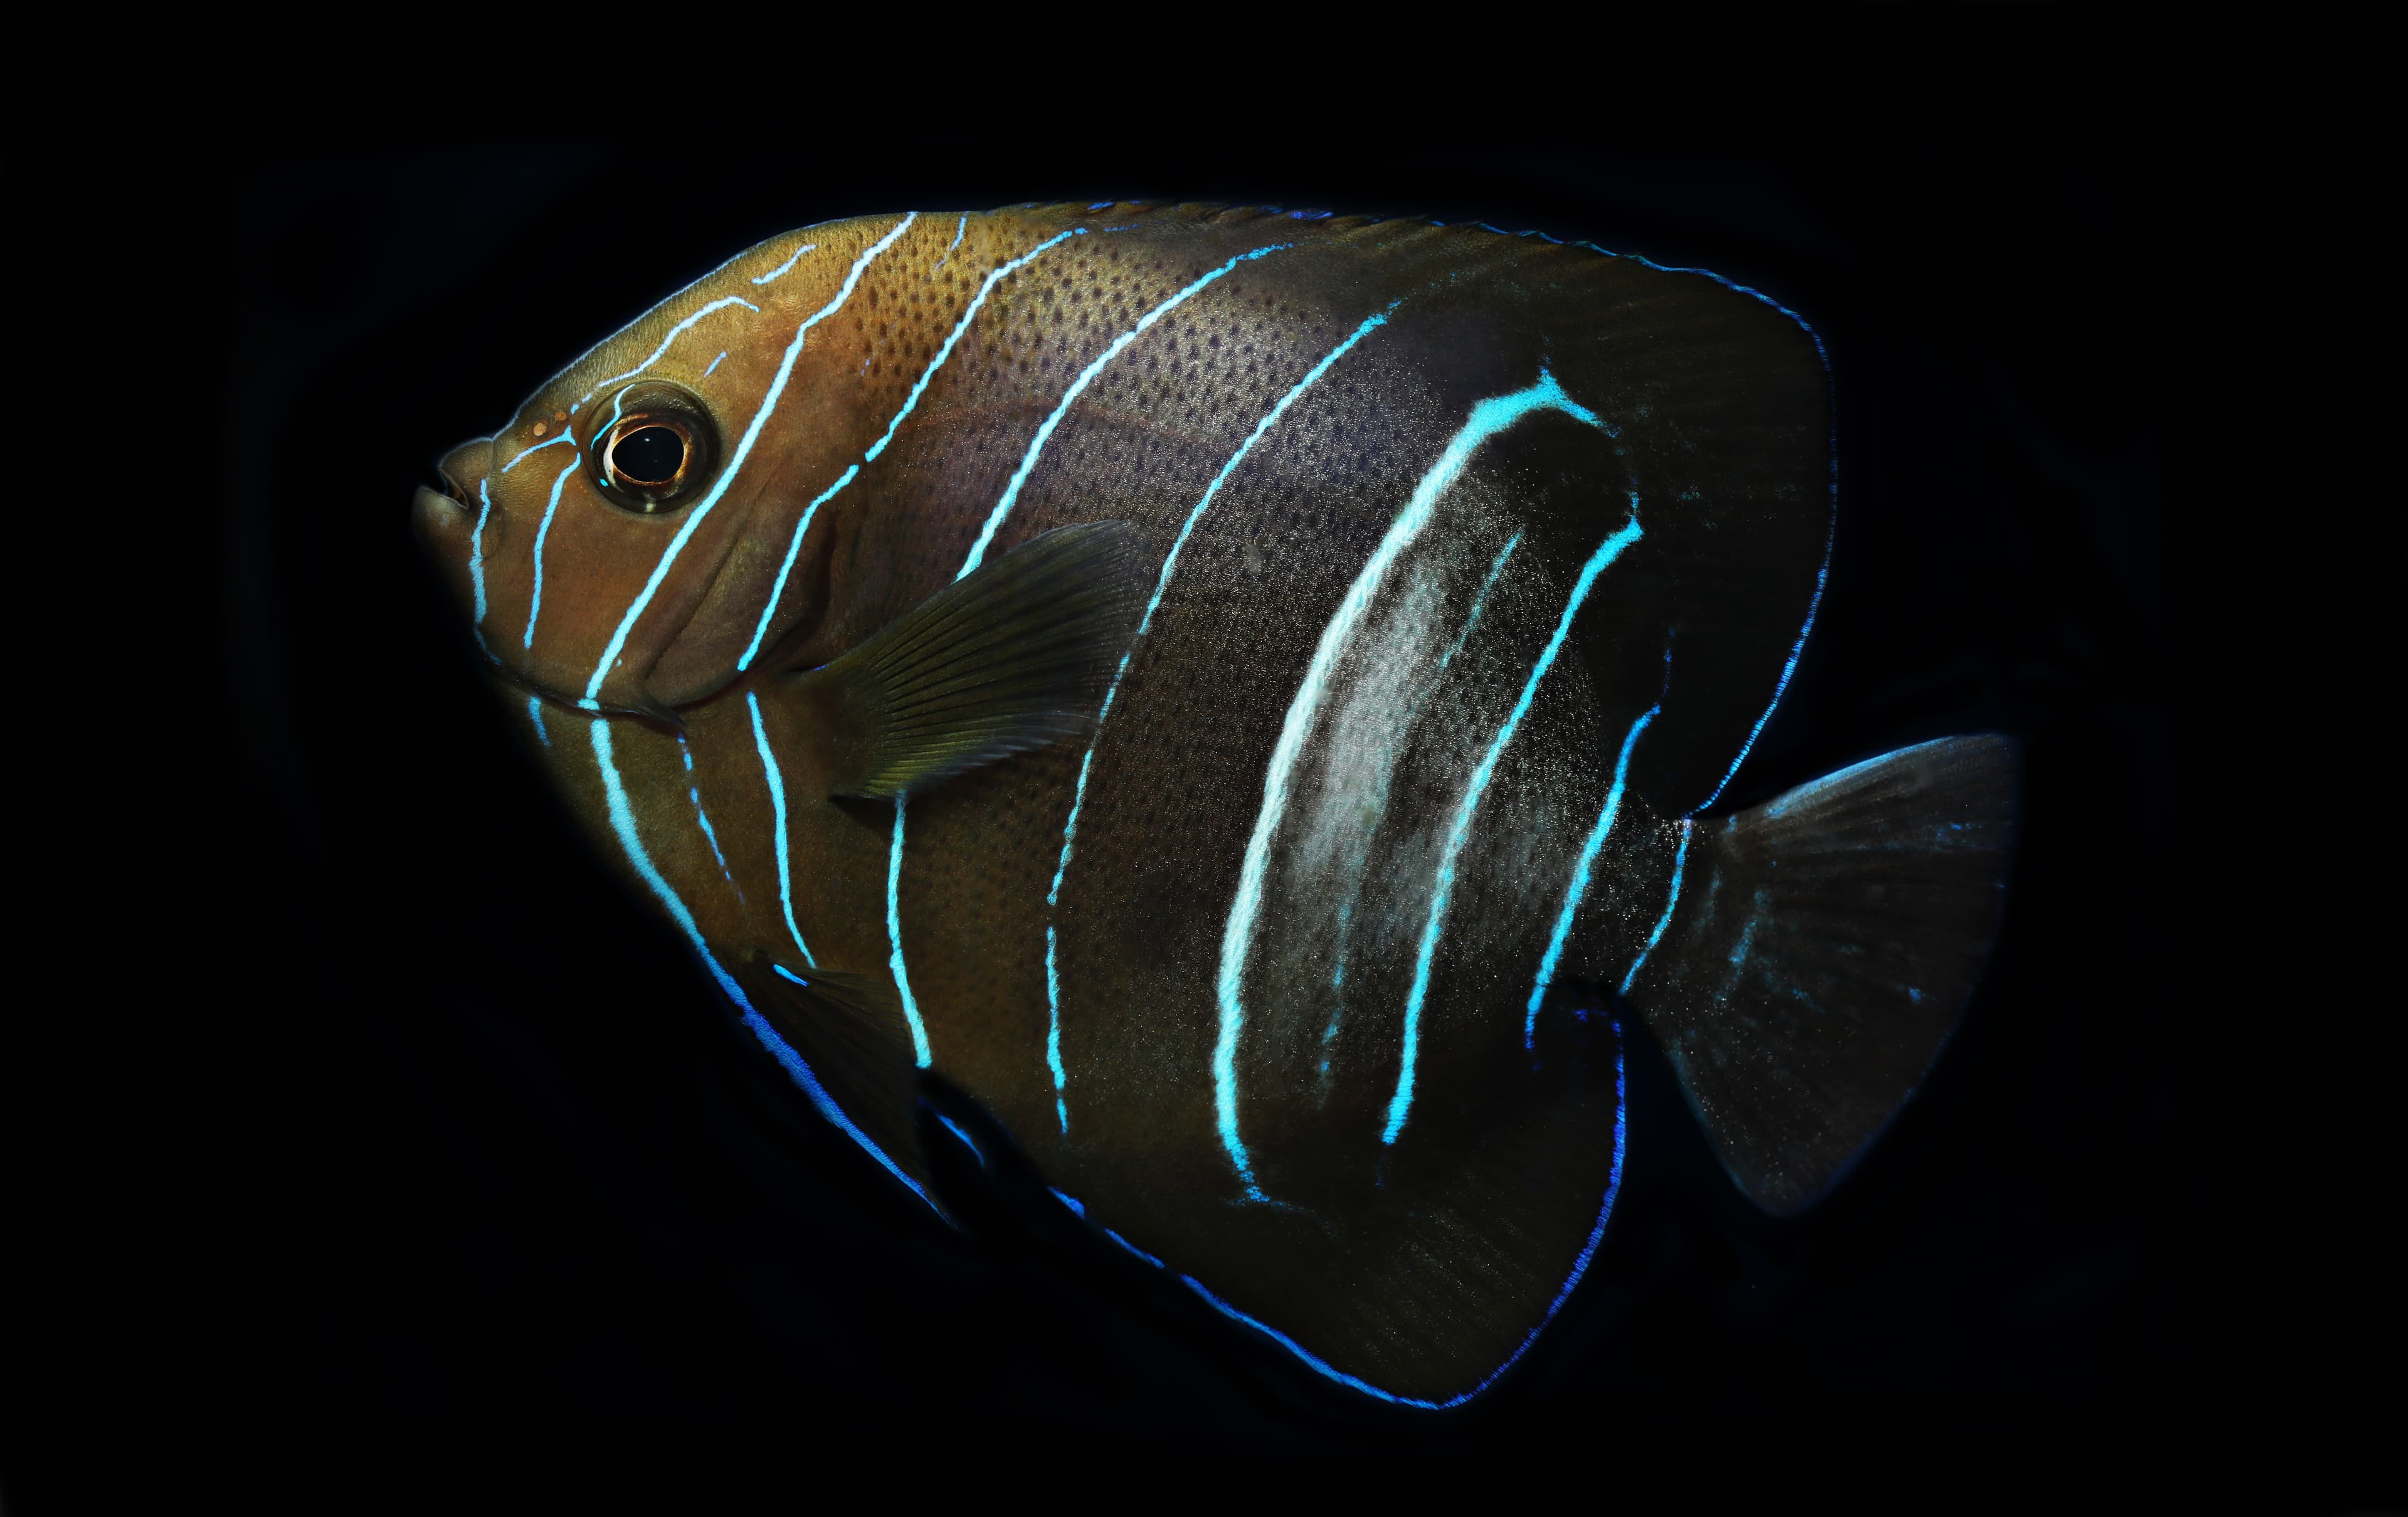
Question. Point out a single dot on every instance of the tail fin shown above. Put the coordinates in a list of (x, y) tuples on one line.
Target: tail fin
[(1822, 951)]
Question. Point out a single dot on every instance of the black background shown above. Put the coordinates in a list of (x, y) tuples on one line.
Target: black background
[(466, 1140)]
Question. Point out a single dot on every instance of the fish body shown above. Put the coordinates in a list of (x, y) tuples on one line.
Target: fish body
[(1243, 696)]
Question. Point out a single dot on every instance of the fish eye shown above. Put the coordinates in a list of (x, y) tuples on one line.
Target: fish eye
[(655, 451)]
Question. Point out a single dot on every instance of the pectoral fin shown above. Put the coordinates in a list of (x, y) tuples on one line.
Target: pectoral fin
[(1013, 657)]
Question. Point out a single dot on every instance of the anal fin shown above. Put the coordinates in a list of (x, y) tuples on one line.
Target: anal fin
[(1013, 657)]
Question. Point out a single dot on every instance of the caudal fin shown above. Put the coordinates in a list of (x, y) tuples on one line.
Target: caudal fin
[(1822, 951)]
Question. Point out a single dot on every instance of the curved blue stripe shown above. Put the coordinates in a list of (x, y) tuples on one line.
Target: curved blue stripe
[(676, 331), (1671, 904), (477, 557), (565, 436), (794, 544), (1487, 419), (623, 822), (535, 714), (781, 271), (1579, 887), (895, 937), (959, 227), (1443, 892), (703, 508), (1571, 1281), (1780, 686), (1079, 386), (777, 824), (1145, 624), (535, 606), (793, 548)]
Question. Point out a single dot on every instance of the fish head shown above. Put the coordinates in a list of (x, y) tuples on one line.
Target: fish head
[(619, 543)]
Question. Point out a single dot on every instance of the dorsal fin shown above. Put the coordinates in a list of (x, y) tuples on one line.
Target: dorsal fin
[(1012, 657)]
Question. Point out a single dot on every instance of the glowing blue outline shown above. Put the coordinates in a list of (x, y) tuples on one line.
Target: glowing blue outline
[(1797, 649), (778, 821), (675, 332), (894, 936), (535, 606), (736, 462), (1145, 624), (1829, 532), (1571, 1281), (625, 327), (623, 822), (1079, 386), (963, 1133), (1671, 904), (1579, 887), (783, 269), (1486, 420), (1443, 889)]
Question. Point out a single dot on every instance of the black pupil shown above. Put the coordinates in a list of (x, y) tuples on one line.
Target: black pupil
[(648, 457)]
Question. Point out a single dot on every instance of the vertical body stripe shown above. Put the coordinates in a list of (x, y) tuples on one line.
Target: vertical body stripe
[(477, 557), (1579, 887), (1487, 419), (535, 604), (703, 508), (794, 544), (623, 822), (777, 824), (1145, 624), (1079, 386), (702, 818), (1671, 904), (535, 714), (1442, 890), (895, 938)]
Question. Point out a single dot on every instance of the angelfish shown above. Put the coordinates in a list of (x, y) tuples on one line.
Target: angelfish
[(1246, 697)]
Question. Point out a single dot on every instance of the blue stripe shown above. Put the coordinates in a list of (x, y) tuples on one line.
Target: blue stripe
[(1579, 889), (1480, 602), (1145, 624), (959, 227), (1488, 418), (623, 822), (535, 714), (777, 824), (710, 834), (779, 272), (535, 606), (715, 363), (1580, 1268), (477, 556), (794, 548), (1780, 686), (565, 436), (1442, 891), (895, 937), (676, 331), (794, 544), (727, 473), (1079, 386), (1671, 904), (953, 337)]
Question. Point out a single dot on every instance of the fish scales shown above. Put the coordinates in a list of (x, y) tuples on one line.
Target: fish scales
[(1305, 646)]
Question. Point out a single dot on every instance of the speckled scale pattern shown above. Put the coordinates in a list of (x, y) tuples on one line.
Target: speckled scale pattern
[(1417, 1263)]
